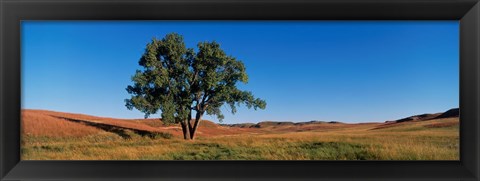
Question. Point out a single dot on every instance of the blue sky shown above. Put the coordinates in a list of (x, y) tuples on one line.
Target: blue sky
[(349, 71)]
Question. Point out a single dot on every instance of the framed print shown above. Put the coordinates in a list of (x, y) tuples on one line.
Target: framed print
[(245, 90)]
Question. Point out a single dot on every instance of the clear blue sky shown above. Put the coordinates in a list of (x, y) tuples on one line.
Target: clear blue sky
[(349, 71)]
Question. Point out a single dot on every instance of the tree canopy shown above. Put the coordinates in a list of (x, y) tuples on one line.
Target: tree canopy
[(176, 80)]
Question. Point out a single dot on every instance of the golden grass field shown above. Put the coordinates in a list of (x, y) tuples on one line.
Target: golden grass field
[(48, 135)]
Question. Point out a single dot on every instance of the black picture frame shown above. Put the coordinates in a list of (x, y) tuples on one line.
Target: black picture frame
[(12, 12)]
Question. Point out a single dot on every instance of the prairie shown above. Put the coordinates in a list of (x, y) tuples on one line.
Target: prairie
[(49, 135)]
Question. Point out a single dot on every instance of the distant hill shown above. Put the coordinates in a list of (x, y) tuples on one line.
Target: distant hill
[(264, 124), (268, 124), (240, 125), (450, 113), (455, 112)]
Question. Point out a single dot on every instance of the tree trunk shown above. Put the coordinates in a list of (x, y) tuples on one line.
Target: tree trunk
[(198, 117), (189, 124), (185, 130)]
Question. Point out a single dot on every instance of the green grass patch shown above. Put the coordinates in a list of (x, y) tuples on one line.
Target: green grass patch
[(336, 151)]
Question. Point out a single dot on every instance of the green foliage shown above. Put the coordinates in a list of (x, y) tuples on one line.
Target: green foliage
[(177, 80)]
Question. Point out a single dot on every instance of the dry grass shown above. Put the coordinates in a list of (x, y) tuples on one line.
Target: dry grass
[(206, 128), (36, 123), (442, 124), (424, 140)]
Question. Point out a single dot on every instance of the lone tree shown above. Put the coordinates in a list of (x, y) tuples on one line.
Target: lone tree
[(180, 82)]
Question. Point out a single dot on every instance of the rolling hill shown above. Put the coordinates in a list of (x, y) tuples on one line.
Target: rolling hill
[(60, 124)]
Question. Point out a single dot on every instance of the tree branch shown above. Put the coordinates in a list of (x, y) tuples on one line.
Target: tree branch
[(194, 78), (202, 104)]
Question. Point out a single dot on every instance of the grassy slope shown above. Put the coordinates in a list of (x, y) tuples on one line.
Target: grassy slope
[(47, 136)]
